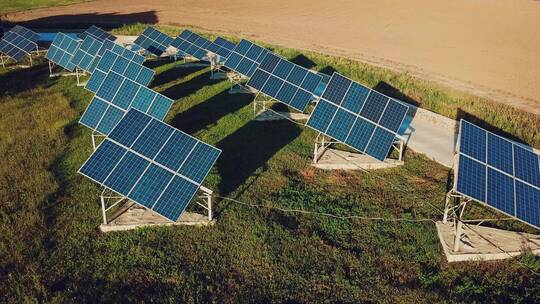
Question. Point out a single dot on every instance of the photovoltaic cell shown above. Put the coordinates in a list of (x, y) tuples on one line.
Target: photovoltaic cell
[(98, 33), (116, 96), (151, 163), (353, 114), (16, 46), (499, 172), (245, 58), (153, 41), (221, 47), (26, 33), (272, 78), (189, 43), (84, 57), (62, 50)]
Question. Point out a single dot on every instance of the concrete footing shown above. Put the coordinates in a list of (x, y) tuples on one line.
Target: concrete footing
[(219, 76), (333, 159), (484, 243), (136, 216), (237, 89), (271, 115)]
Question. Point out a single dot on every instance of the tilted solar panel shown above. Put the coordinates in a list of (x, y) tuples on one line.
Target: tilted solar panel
[(221, 47), (26, 33), (153, 41), (224, 43), (130, 67), (191, 44), (360, 117), (499, 172), (85, 56), (116, 96), (98, 34), (62, 50), (16, 46), (245, 58), (152, 164), (285, 81)]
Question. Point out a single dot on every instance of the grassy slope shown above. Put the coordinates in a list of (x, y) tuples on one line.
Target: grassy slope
[(8, 6), (49, 213)]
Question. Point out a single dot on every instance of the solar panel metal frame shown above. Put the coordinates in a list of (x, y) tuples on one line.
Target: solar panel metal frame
[(110, 103), (253, 61), (16, 46), (488, 166), (98, 33), (221, 47), (84, 58), (297, 86), (152, 161), (26, 33), (155, 44), (357, 116), (55, 47), (192, 44), (98, 72)]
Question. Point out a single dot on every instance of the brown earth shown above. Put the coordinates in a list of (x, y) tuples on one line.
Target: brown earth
[(490, 48)]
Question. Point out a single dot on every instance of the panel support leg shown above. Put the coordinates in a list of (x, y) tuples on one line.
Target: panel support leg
[(459, 226), (3, 63)]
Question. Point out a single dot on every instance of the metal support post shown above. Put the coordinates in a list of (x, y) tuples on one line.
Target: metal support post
[(459, 226)]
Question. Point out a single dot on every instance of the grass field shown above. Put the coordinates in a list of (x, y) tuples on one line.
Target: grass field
[(8, 6), (52, 251)]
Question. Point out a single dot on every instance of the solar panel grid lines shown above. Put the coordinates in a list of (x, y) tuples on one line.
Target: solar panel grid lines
[(224, 43), (221, 47), (98, 34), (154, 41), (245, 58), (26, 33), (127, 166), (16, 46), (339, 115), (85, 56), (293, 93), (62, 50), (191, 44), (499, 173)]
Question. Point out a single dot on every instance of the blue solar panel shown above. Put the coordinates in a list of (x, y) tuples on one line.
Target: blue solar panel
[(272, 79), (62, 50), (153, 41), (26, 33), (98, 33), (245, 58), (193, 44), (16, 46), (348, 113), (86, 54), (160, 167), (508, 179), (130, 68), (117, 95), (221, 47)]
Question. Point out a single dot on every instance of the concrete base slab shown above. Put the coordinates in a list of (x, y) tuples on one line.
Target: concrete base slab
[(219, 76), (273, 115), (333, 159), (485, 243), (238, 89), (137, 216)]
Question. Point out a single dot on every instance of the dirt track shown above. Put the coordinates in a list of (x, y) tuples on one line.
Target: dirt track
[(490, 48)]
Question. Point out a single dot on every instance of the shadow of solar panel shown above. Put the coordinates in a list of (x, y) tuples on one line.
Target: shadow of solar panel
[(62, 50), (16, 46), (151, 163), (153, 41), (26, 33)]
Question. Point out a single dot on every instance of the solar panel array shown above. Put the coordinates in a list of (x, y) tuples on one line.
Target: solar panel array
[(16, 46), (152, 164), (221, 47), (285, 81), (245, 58), (85, 56), (191, 44), (62, 50), (26, 33), (153, 41), (360, 117), (499, 173), (98, 34), (130, 67), (116, 96)]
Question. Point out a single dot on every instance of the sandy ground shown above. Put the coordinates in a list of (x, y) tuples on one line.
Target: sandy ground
[(490, 48)]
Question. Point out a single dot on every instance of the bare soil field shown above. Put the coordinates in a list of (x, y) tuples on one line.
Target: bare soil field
[(489, 48)]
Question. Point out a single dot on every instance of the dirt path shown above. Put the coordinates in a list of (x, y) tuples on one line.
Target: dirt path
[(490, 48)]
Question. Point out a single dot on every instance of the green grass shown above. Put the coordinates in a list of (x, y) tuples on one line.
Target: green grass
[(52, 251), (9, 6)]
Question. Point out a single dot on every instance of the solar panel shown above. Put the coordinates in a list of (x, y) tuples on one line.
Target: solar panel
[(16, 46), (84, 57), (285, 81), (358, 116), (130, 67), (245, 58), (221, 47), (26, 33), (189, 43), (62, 50), (153, 41), (116, 96), (98, 33), (224, 43), (152, 164), (499, 172)]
